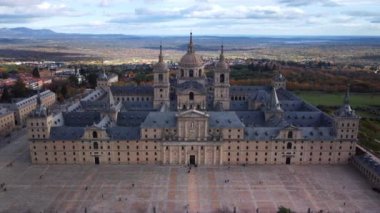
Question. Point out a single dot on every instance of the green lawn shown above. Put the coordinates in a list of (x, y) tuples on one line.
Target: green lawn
[(336, 99)]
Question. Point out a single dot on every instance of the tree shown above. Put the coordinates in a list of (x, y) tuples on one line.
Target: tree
[(92, 79), (36, 72), (4, 75), (64, 90), (73, 80), (6, 97), (19, 90), (282, 209)]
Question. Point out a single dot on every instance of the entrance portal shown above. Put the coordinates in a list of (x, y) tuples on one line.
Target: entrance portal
[(287, 160), (192, 159), (96, 160)]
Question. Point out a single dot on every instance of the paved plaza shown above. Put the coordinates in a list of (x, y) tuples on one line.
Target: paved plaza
[(132, 188)]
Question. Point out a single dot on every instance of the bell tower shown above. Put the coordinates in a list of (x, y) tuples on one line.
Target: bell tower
[(222, 83), (161, 83)]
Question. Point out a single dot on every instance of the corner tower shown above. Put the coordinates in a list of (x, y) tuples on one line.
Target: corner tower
[(222, 83), (346, 122), (278, 80), (39, 122), (161, 82)]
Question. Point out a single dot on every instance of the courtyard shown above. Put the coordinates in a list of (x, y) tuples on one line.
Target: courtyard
[(155, 188)]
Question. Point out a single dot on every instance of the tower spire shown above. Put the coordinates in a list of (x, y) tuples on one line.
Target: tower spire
[(346, 99), (221, 58), (38, 99), (274, 102), (190, 49), (161, 57)]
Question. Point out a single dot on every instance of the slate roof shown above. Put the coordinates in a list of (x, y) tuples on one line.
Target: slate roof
[(160, 120), (131, 118), (224, 120), (138, 105), (191, 85), (238, 105), (66, 133), (123, 133), (270, 133), (81, 119), (369, 162), (145, 90)]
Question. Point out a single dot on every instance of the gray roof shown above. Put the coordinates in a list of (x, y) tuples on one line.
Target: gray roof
[(317, 133), (81, 119), (124, 133), (145, 90), (270, 133), (261, 133), (308, 119), (238, 105), (239, 90), (131, 118), (160, 120), (66, 133), (138, 105), (224, 120), (370, 162), (191, 85)]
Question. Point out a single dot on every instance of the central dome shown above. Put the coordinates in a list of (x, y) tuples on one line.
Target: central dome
[(190, 59)]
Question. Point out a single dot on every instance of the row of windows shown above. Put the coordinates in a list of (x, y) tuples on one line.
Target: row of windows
[(289, 146), (109, 153), (95, 146), (84, 159), (133, 99), (266, 153), (275, 159)]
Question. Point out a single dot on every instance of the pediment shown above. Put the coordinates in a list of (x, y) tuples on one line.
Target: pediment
[(193, 113), (290, 127)]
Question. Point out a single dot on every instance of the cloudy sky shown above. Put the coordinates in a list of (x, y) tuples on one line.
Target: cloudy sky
[(203, 17)]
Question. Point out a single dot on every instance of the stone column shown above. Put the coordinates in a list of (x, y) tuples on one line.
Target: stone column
[(214, 156), (186, 159), (220, 156), (179, 155), (170, 155), (199, 155), (164, 153)]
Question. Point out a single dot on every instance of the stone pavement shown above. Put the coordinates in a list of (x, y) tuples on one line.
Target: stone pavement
[(143, 188)]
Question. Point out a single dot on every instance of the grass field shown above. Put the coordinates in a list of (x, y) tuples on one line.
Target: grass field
[(336, 99)]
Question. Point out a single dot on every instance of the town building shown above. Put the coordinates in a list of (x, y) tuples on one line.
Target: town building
[(23, 107), (192, 119), (7, 121)]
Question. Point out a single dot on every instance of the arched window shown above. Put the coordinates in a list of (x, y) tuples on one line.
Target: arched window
[(182, 73), (191, 96), (290, 134), (160, 77), (94, 134), (191, 73), (289, 145), (96, 146), (221, 78), (200, 73)]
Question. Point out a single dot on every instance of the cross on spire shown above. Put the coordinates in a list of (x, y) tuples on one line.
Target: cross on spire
[(221, 58), (346, 99), (190, 49), (161, 57)]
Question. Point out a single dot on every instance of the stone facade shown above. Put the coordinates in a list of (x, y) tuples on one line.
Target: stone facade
[(197, 121)]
